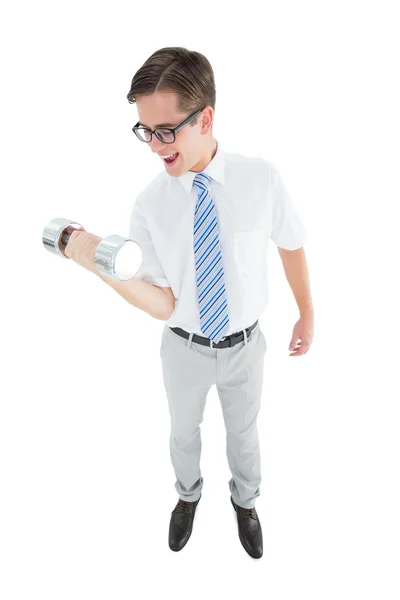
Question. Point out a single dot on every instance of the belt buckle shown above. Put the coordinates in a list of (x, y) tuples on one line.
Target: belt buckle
[(213, 345), (229, 338)]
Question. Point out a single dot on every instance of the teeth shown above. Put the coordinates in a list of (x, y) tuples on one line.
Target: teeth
[(167, 155)]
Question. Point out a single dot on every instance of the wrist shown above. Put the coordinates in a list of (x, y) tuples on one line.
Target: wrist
[(307, 311)]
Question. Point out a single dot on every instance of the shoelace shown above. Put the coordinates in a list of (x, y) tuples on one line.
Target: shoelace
[(249, 512), (184, 506)]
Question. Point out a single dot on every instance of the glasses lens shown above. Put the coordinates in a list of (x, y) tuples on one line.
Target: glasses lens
[(143, 134), (165, 135)]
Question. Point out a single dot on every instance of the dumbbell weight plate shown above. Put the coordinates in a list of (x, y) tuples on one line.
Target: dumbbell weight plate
[(118, 257), (56, 235)]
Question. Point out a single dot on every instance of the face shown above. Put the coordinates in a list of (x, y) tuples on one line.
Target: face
[(193, 143)]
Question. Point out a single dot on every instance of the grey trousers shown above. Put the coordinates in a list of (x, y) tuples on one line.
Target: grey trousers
[(189, 370)]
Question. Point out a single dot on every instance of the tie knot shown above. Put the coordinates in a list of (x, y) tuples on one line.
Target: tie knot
[(202, 181)]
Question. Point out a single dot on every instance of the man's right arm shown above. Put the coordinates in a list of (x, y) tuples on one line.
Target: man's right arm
[(159, 302)]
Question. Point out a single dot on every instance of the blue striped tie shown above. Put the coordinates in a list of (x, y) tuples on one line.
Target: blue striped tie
[(214, 320)]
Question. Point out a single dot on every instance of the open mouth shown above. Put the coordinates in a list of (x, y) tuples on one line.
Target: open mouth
[(171, 160)]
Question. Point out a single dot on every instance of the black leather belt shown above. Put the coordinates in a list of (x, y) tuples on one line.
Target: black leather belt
[(228, 342)]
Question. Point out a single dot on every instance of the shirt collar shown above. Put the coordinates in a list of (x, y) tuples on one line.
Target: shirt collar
[(215, 169)]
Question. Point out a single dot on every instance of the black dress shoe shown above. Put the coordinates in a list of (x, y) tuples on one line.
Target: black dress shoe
[(181, 524), (249, 529)]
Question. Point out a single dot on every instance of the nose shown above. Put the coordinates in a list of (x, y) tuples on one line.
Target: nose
[(157, 146)]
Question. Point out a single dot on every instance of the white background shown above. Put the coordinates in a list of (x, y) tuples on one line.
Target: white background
[(86, 479)]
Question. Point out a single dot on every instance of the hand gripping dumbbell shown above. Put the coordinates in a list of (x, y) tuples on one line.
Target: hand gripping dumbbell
[(116, 256)]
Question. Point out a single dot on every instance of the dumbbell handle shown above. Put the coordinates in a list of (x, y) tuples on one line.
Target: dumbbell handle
[(65, 238)]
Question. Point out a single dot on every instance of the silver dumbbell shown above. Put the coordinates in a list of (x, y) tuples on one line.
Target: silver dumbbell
[(116, 256)]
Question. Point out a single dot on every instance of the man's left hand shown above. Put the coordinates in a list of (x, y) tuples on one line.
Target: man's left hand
[(303, 330)]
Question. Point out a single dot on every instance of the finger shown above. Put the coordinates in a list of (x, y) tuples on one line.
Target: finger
[(73, 238), (299, 351), (75, 244), (295, 346)]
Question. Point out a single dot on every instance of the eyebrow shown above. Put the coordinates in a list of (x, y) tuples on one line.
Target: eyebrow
[(158, 125)]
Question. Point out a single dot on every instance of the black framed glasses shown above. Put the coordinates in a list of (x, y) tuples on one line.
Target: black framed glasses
[(164, 134)]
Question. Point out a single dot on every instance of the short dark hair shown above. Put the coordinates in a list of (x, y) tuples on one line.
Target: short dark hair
[(185, 72)]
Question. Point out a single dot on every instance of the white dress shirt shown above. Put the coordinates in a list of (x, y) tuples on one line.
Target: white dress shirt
[(252, 207)]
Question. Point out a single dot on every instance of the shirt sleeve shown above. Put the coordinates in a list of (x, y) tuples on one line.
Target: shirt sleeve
[(150, 269), (287, 228)]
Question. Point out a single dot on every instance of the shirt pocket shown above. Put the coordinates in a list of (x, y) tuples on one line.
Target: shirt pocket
[(250, 253)]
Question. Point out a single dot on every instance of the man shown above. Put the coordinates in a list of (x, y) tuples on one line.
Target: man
[(203, 225)]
